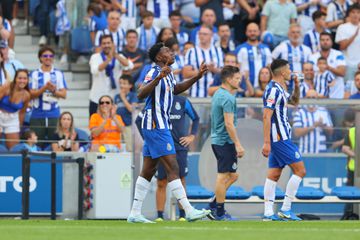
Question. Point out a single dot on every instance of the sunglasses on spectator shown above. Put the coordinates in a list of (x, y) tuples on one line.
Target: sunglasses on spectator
[(105, 102), (47, 56)]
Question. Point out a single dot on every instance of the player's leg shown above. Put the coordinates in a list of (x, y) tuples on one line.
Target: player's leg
[(172, 171), (161, 192), (181, 209), (272, 178), (229, 181), (181, 157)]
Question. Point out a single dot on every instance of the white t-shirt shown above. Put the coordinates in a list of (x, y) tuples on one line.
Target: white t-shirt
[(351, 53), (101, 84), (335, 59)]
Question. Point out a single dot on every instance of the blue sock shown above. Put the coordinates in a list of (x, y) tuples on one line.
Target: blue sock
[(220, 209), (160, 214), (212, 204), (181, 213)]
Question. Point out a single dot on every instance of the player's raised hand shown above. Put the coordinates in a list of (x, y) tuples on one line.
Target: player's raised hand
[(203, 69), (166, 70), (266, 149)]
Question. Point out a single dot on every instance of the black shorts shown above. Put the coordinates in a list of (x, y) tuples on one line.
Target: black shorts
[(181, 157), (226, 157)]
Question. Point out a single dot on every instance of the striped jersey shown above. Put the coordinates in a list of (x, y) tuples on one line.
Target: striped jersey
[(118, 38), (312, 40), (158, 103), (130, 6), (314, 141), (276, 98), (309, 10), (161, 8), (194, 57), (304, 88), (252, 59), (322, 81)]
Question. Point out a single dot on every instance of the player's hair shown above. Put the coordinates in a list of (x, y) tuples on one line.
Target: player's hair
[(171, 42), (154, 50), (326, 34), (278, 64), (175, 13), (228, 72), (321, 59), (317, 14), (147, 14), (102, 37), (127, 77), (131, 31)]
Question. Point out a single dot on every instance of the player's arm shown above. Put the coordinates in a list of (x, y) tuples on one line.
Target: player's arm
[(230, 128), (268, 112), (183, 86), (294, 99), (190, 111), (146, 89)]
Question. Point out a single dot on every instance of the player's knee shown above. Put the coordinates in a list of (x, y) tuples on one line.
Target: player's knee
[(301, 173), (274, 177), (161, 184)]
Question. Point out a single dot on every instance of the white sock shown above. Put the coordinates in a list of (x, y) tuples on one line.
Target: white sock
[(179, 192), (141, 188), (269, 197), (290, 193)]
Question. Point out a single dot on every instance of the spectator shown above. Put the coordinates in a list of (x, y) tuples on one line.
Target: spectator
[(189, 11), (181, 35), (308, 83), (276, 18), (357, 84), (65, 138), (106, 127), (225, 41), (336, 64), (47, 86), (14, 99), (164, 34), (5, 27), (203, 52), (264, 78), (324, 79), (125, 101), (11, 65), (311, 125), (134, 54), (30, 140), (178, 65), (292, 50), (147, 32), (128, 11), (208, 18), (62, 30), (187, 47), (106, 66), (245, 87), (114, 29), (97, 20), (215, 5), (42, 18), (348, 38), (336, 15), (161, 10), (306, 9), (253, 55), (312, 37)]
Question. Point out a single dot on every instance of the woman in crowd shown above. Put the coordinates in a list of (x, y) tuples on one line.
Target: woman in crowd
[(106, 127), (165, 34), (264, 78), (65, 138), (14, 99)]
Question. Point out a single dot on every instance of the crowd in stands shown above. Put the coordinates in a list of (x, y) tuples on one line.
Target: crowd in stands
[(319, 38)]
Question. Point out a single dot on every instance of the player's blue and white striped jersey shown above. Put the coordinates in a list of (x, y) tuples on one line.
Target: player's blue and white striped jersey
[(118, 38), (158, 103), (276, 98), (161, 8), (130, 6), (322, 81), (194, 57), (314, 141)]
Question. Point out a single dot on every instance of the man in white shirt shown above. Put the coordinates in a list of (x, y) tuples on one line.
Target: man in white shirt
[(106, 68), (348, 37), (336, 64), (292, 50), (117, 32)]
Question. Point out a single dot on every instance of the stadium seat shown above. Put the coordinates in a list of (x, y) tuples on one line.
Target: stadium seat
[(237, 193), (346, 192), (18, 148), (198, 192), (80, 40), (309, 193), (259, 191), (83, 136)]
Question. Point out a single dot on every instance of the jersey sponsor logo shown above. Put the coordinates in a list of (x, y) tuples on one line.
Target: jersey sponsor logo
[(175, 117), (177, 106), (169, 147)]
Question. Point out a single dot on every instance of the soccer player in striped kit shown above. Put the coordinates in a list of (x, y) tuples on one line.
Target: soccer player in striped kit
[(158, 89), (277, 143)]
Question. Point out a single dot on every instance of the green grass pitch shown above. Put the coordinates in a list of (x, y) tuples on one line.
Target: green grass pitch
[(206, 230)]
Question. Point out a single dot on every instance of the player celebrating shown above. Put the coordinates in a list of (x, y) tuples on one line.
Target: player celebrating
[(158, 88), (277, 144)]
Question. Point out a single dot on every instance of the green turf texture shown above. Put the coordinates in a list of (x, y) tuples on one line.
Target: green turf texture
[(206, 230)]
